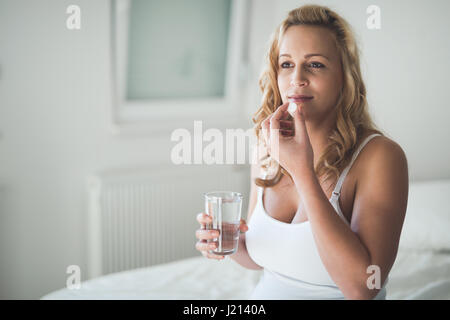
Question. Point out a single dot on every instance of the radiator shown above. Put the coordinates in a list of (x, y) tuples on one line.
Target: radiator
[(142, 217)]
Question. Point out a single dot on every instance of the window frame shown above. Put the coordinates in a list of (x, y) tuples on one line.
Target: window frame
[(165, 115)]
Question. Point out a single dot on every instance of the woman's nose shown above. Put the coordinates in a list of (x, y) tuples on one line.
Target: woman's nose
[(298, 79)]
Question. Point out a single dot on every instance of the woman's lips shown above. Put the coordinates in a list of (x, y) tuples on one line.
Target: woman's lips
[(298, 100)]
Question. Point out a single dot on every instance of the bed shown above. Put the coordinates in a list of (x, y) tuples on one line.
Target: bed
[(421, 270)]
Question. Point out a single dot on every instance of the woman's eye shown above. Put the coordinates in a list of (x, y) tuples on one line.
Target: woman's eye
[(317, 64)]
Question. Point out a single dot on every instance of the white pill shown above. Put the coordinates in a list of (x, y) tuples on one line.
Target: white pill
[(292, 107)]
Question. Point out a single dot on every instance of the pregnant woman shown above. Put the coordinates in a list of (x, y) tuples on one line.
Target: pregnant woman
[(328, 201)]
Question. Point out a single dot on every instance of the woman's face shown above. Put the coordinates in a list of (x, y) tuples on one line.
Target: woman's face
[(301, 73)]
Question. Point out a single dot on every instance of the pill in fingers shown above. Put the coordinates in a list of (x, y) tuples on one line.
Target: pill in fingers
[(292, 107)]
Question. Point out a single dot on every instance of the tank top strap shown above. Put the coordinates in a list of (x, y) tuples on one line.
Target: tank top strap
[(337, 189)]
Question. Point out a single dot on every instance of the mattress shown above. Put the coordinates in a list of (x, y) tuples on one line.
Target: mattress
[(416, 274), (420, 275)]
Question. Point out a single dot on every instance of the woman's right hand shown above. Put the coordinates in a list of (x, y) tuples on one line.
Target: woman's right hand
[(203, 235)]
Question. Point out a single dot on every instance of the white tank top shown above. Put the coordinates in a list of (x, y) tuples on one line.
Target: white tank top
[(288, 252)]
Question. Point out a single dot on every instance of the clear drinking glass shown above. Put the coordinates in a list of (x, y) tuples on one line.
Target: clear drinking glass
[(225, 209)]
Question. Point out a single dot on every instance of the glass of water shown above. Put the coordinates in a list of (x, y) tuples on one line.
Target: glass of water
[(224, 207)]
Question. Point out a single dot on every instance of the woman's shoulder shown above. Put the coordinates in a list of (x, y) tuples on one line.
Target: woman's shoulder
[(381, 151), (383, 146)]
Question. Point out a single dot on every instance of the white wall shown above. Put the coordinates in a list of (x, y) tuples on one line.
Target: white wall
[(54, 97)]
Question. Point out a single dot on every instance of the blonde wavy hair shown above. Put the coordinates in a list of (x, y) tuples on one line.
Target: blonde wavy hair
[(352, 117)]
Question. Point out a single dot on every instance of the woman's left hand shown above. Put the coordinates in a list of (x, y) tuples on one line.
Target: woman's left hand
[(292, 151)]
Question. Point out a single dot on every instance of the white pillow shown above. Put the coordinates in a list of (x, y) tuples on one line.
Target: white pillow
[(427, 221)]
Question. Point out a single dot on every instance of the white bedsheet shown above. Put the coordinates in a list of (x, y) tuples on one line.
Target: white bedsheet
[(420, 275), (415, 275)]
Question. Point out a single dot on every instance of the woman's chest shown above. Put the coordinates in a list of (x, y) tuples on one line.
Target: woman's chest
[(282, 202)]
